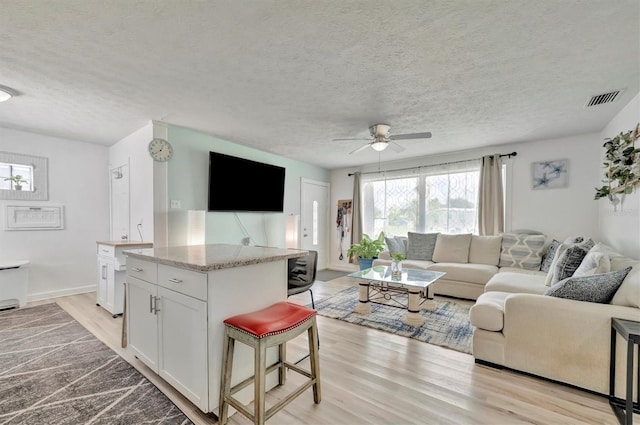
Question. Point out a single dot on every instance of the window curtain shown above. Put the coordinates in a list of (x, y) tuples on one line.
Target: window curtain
[(491, 197), (356, 215)]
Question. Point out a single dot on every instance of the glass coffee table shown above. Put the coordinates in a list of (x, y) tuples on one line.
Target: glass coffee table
[(377, 283)]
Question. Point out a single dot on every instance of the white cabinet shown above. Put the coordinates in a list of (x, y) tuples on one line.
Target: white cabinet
[(176, 306), (111, 274), (182, 343), (142, 335), (168, 329)]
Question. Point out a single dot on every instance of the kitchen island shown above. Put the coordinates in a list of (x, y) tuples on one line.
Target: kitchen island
[(177, 299)]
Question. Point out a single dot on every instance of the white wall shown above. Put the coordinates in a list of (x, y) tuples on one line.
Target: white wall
[(188, 179), (621, 229), (133, 150), (556, 212), (63, 262)]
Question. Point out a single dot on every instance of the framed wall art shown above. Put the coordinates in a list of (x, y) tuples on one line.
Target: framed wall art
[(550, 174)]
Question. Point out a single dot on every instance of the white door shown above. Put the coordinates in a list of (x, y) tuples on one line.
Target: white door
[(119, 202), (314, 218)]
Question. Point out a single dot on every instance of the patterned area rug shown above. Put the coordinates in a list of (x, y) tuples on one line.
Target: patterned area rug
[(54, 371), (447, 326)]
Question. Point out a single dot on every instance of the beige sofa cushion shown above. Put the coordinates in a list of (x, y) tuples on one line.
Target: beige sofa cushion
[(485, 249), (466, 272), (452, 248), (517, 283), (488, 311), (523, 271)]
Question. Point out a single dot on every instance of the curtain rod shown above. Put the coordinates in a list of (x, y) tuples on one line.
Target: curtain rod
[(433, 165)]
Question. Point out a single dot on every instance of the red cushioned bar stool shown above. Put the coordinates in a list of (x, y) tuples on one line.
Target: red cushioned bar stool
[(269, 327)]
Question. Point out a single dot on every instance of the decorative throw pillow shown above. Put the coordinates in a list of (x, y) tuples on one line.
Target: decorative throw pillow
[(559, 252), (628, 294), (593, 263), (485, 250), (452, 248), (396, 245), (597, 288), (547, 258), (522, 251), (420, 246), (573, 239), (569, 261)]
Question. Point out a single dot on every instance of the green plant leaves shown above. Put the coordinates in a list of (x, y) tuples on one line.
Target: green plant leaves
[(622, 164)]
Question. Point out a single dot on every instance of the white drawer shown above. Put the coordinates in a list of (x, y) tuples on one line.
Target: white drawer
[(183, 281), (144, 270), (106, 250)]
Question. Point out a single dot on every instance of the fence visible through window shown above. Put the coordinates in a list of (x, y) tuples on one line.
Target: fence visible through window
[(436, 200)]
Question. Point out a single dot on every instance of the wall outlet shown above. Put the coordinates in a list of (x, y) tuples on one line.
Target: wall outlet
[(175, 204)]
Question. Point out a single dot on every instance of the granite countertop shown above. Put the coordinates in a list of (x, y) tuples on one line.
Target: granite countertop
[(125, 243), (204, 258)]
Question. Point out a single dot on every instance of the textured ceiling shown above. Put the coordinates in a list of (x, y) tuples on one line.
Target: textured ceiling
[(288, 76)]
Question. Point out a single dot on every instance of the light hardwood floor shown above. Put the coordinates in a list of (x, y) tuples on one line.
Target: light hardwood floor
[(373, 377)]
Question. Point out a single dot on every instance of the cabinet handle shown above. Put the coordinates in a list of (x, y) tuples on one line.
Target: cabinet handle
[(104, 272), (150, 303), (155, 305), (174, 280), (105, 250), (136, 269)]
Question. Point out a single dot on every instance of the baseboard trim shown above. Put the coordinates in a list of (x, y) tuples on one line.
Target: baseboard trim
[(38, 296)]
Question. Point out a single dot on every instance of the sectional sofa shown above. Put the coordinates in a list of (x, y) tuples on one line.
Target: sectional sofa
[(469, 261), (535, 308)]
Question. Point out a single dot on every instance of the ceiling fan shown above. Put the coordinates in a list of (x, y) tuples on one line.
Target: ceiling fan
[(382, 139)]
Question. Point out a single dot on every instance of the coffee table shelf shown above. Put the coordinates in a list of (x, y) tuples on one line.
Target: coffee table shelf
[(377, 282)]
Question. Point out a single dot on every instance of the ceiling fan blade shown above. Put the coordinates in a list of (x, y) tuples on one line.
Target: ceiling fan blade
[(395, 147), (359, 138), (426, 135), (361, 148)]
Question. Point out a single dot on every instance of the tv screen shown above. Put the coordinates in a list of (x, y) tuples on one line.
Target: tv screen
[(238, 184)]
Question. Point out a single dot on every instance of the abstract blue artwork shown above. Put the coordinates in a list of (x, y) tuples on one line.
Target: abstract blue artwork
[(550, 174)]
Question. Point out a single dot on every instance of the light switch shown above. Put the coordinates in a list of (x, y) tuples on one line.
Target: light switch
[(175, 204)]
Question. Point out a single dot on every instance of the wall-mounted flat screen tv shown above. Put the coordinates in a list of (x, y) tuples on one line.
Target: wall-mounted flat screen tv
[(238, 184)]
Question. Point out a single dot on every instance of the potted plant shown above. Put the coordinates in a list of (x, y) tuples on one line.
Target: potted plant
[(367, 250), (17, 181), (396, 265)]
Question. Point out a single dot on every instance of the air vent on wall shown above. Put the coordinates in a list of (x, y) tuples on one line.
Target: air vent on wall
[(600, 99)]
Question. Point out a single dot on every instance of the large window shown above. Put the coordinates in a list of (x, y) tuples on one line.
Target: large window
[(430, 199)]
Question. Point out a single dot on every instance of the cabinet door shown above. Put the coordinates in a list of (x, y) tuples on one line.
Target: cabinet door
[(101, 289), (142, 321), (183, 345)]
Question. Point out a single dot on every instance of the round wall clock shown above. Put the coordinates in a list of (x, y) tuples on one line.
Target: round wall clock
[(160, 150)]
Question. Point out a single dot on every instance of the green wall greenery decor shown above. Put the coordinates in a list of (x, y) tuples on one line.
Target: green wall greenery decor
[(622, 165)]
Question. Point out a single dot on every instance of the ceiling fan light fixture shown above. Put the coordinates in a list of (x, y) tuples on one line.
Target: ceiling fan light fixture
[(6, 93), (379, 145)]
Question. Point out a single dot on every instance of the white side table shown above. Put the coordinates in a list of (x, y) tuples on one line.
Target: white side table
[(14, 277)]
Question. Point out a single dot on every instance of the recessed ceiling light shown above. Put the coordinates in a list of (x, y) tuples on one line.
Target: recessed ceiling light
[(6, 93)]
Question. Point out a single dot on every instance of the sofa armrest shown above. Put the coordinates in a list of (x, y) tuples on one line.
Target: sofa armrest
[(563, 339)]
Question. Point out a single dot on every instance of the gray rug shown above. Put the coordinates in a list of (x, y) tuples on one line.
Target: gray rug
[(447, 326), (327, 275), (54, 371)]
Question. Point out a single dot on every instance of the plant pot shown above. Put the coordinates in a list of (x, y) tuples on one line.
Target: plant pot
[(17, 187), (365, 263)]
